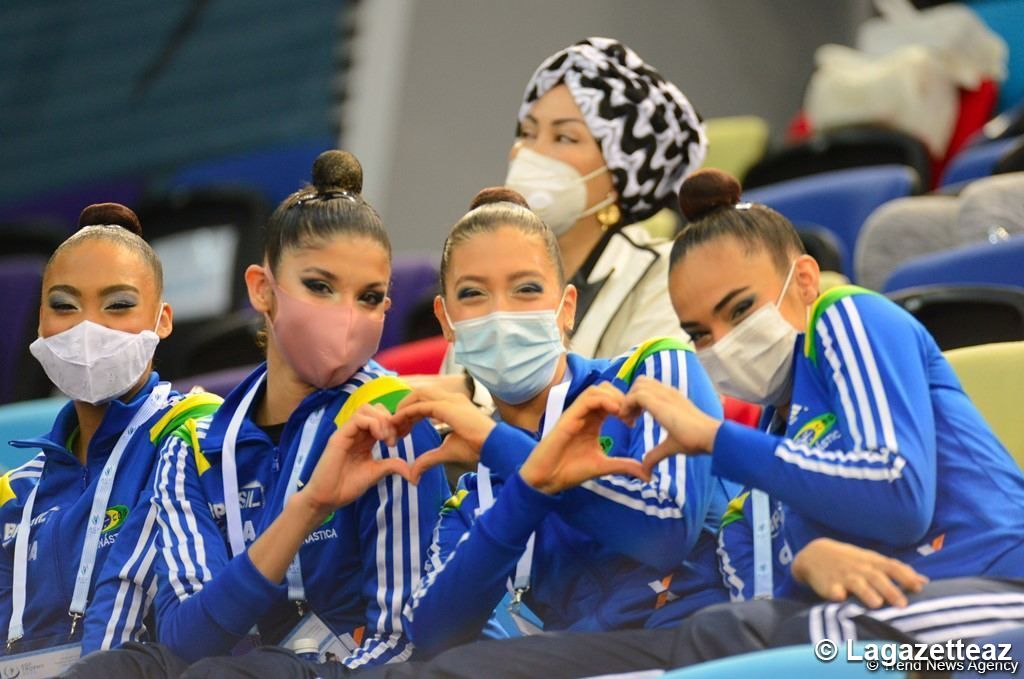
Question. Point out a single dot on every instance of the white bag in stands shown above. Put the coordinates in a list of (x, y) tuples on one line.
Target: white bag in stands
[(968, 48), (908, 89)]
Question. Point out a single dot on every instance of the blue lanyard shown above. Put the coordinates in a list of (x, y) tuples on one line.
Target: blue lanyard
[(80, 596)]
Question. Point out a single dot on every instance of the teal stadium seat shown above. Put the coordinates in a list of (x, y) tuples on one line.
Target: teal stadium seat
[(25, 420), (780, 663)]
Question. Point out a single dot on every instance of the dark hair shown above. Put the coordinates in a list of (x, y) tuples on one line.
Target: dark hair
[(709, 199), (493, 208), (331, 206), (118, 224)]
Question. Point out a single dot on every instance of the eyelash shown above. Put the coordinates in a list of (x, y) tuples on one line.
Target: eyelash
[(372, 299), (530, 288), (466, 293), (741, 308), (317, 287)]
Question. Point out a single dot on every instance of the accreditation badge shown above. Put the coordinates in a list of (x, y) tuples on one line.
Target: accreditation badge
[(41, 664)]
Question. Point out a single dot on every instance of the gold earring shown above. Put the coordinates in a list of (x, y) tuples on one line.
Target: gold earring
[(609, 216)]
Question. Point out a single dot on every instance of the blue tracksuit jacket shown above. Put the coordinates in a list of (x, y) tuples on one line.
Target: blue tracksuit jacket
[(882, 449), (613, 553), (358, 568), (117, 605)]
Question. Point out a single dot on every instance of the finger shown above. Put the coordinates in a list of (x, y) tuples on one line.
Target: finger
[(623, 466), (407, 416), (663, 450), (391, 465), (885, 587), (426, 392), (863, 590), (429, 460), (905, 576), (835, 592), (390, 432)]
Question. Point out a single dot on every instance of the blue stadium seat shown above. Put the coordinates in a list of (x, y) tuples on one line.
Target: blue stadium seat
[(980, 263), (840, 201), (276, 172), (27, 419), (977, 161)]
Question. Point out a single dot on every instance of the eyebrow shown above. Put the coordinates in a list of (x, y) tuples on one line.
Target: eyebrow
[(526, 273), (728, 298), (124, 287), (109, 290), (557, 121), (320, 272)]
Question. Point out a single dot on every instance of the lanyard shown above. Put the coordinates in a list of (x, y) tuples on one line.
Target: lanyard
[(762, 544), (101, 496), (296, 590), (762, 515), (232, 511), (524, 567)]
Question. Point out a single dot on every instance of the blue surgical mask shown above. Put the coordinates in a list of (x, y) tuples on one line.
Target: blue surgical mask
[(512, 353)]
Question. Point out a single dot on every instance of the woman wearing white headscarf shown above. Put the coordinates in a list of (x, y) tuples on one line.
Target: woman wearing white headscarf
[(604, 142)]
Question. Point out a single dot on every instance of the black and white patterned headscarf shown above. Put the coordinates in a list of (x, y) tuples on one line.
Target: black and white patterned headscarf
[(650, 136)]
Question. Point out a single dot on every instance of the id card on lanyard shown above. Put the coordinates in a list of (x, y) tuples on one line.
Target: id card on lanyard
[(519, 584), (760, 504), (90, 545)]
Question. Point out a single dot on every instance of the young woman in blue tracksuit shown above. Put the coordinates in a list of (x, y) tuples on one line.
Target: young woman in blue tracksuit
[(872, 441), (80, 508), (275, 519), (614, 551), (357, 564), (876, 472)]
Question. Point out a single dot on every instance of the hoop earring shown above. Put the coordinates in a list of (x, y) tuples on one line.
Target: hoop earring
[(609, 216)]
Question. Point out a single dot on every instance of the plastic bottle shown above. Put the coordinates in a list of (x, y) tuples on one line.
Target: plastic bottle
[(307, 649)]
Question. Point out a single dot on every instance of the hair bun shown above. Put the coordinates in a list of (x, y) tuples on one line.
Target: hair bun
[(497, 194), (707, 190), (337, 171), (110, 213)]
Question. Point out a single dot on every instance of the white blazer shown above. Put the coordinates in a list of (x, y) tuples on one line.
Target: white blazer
[(625, 299)]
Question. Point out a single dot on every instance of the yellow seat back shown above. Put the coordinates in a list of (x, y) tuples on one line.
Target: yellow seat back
[(993, 377), (735, 143)]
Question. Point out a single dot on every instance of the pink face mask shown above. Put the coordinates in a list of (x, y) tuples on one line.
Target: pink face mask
[(325, 344)]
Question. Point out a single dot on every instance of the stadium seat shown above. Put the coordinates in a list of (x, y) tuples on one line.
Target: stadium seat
[(21, 377), (977, 161), (980, 263), (735, 143), (993, 376), (205, 239), (840, 201), (276, 172), (823, 245), (27, 419), (422, 357), (841, 149), (779, 663), (966, 315), (902, 230)]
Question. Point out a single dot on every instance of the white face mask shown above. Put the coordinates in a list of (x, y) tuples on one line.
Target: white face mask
[(93, 363), (555, 191), (753, 361), (512, 353)]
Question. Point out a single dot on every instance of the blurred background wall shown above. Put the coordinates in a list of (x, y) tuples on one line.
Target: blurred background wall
[(120, 98)]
